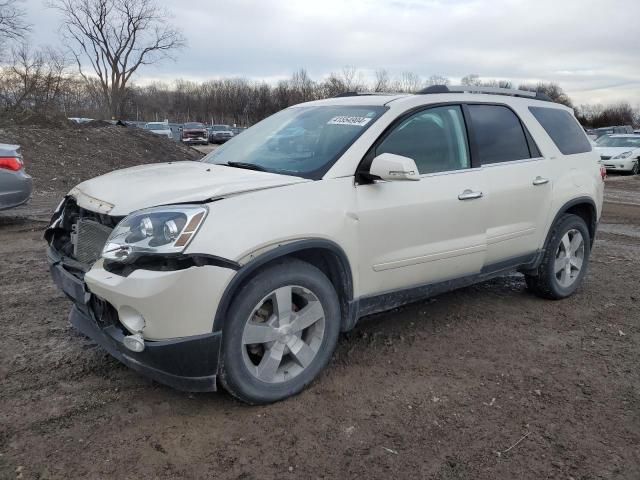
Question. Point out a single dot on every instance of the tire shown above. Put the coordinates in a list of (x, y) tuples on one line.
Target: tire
[(550, 282), (246, 369), (636, 167)]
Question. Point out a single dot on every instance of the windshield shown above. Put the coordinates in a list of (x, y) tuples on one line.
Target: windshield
[(301, 141), (156, 126), (221, 127), (627, 142), (194, 125)]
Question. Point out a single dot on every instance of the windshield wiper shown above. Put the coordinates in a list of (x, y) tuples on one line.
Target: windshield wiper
[(248, 166)]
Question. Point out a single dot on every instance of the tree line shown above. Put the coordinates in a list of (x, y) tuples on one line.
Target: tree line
[(114, 38)]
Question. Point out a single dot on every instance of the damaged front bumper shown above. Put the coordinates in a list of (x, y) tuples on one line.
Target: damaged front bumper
[(188, 363)]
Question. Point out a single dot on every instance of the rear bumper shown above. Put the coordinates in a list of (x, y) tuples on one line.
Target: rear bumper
[(188, 363), (15, 189)]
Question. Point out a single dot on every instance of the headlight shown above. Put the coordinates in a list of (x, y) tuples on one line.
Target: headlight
[(159, 230), (624, 155)]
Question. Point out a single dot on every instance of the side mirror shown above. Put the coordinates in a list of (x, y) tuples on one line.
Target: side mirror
[(391, 167)]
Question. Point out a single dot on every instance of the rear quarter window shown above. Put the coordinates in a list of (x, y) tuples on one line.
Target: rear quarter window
[(563, 129)]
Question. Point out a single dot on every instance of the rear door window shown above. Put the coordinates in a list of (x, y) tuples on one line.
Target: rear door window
[(499, 135), (563, 129)]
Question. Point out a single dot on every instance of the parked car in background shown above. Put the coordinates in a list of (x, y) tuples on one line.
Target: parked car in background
[(591, 134), (80, 120), (620, 153), (15, 185), (220, 133), (624, 129), (194, 133), (159, 128), (242, 269)]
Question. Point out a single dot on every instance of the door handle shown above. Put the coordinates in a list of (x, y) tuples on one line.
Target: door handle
[(469, 195), (540, 181)]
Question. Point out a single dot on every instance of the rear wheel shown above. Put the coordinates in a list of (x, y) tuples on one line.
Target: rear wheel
[(281, 332), (565, 260)]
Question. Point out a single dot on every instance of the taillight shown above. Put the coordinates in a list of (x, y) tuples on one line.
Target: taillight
[(11, 163), (603, 172)]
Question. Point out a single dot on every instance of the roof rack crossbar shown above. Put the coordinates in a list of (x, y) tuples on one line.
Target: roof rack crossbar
[(479, 89)]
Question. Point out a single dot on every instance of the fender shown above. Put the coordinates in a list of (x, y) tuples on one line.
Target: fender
[(288, 249)]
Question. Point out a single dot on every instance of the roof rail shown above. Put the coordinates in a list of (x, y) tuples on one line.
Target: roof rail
[(363, 94), (347, 94), (479, 89)]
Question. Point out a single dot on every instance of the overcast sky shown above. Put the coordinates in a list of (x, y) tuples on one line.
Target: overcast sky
[(591, 48)]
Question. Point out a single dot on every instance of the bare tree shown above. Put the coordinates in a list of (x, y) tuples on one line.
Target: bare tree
[(471, 80), (552, 90), (12, 21), (352, 79), (302, 85), (437, 80), (409, 82), (34, 80), (116, 37), (597, 116), (381, 83), (333, 85)]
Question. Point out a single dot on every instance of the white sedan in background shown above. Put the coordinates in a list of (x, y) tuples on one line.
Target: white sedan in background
[(159, 128), (620, 153)]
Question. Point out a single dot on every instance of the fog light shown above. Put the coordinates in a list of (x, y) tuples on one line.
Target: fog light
[(132, 320), (135, 343)]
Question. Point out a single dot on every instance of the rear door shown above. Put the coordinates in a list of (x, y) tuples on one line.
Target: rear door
[(413, 233), (518, 182)]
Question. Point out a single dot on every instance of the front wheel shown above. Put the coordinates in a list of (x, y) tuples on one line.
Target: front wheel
[(636, 167), (565, 260), (281, 331)]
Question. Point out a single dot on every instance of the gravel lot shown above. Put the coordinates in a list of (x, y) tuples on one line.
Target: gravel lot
[(488, 382)]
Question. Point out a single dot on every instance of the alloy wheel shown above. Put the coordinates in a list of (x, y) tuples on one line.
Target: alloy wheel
[(569, 258), (283, 334)]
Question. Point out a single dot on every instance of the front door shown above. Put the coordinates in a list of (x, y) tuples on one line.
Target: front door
[(413, 233)]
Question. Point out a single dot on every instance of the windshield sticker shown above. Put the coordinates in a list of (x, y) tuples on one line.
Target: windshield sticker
[(344, 120)]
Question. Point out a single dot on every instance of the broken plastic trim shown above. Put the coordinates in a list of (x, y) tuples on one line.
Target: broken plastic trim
[(168, 263)]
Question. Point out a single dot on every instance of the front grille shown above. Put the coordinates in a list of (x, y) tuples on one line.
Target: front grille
[(90, 238), (604, 157)]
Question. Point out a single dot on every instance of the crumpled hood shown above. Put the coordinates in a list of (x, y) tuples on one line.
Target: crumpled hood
[(124, 191), (613, 151)]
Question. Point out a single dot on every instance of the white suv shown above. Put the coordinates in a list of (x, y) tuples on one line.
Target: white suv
[(244, 268)]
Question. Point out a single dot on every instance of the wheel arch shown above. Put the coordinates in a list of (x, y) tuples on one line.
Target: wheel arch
[(583, 207), (325, 255)]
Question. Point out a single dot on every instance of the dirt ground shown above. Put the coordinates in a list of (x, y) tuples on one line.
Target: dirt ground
[(488, 382)]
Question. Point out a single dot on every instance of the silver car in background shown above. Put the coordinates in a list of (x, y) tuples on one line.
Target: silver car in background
[(620, 153), (159, 128), (220, 133), (15, 185)]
